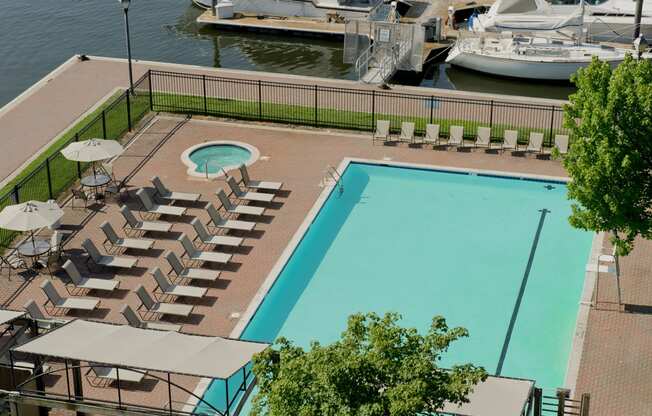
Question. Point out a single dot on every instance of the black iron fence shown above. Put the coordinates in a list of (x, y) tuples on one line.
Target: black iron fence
[(290, 103), (54, 174), (347, 108)]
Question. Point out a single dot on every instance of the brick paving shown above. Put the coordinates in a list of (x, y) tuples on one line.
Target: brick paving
[(616, 361)]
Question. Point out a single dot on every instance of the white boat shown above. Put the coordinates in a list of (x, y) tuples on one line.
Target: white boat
[(539, 15), (350, 9), (534, 58)]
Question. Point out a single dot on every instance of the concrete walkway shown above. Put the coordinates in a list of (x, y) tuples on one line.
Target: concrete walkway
[(35, 118)]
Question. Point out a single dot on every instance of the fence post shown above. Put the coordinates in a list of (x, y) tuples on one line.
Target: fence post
[(432, 107), (260, 100), (47, 169), (373, 109), (103, 124), (16, 197), (78, 163), (538, 393), (316, 88), (552, 121), (151, 100), (203, 80), (562, 395), (491, 115), (128, 109), (584, 404)]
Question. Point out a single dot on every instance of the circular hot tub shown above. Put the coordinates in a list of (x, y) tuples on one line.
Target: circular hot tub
[(212, 159)]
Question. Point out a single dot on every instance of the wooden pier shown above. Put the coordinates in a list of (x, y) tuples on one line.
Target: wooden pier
[(275, 24)]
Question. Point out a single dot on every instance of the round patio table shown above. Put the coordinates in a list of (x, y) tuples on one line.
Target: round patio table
[(94, 181), (34, 249)]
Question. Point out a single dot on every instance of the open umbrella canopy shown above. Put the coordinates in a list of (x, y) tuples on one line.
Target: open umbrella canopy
[(92, 150), (30, 215)]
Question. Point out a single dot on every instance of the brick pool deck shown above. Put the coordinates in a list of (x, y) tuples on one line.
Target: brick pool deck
[(617, 359)]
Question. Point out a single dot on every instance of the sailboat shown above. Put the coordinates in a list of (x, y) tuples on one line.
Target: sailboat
[(607, 21), (538, 57)]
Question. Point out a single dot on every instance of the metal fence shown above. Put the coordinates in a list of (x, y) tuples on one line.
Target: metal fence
[(346, 108), (55, 174)]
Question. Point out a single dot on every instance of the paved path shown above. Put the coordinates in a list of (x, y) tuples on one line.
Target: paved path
[(35, 118)]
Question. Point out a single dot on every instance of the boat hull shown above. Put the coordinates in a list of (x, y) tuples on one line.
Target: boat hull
[(535, 70)]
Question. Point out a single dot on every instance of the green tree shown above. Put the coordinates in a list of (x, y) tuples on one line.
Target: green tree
[(377, 368), (610, 160)]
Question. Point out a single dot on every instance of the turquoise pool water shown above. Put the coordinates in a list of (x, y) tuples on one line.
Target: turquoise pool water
[(494, 255), (218, 156)]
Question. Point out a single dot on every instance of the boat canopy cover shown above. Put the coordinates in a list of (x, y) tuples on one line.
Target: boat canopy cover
[(144, 349), (516, 6)]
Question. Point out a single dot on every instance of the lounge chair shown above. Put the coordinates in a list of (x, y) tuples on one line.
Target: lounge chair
[(160, 308), (114, 241), (510, 140), (107, 260), (214, 240), (134, 320), (143, 226), (111, 374), (561, 143), (88, 283), (165, 193), (535, 143), (248, 195), (407, 132), (264, 185), (219, 222), (171, 289), (152, 208), (382, 130), (483, 139), (58, 302), (43, 322), (432, 134), (183, 272), (238, 209), (456, 136), (194, 254)]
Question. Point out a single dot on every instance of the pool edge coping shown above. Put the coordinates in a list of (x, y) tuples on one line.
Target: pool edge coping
[(310, 217), (192, 166)]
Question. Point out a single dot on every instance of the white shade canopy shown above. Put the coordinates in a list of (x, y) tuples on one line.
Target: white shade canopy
[(30, 215), (145, 349), (92, 150)]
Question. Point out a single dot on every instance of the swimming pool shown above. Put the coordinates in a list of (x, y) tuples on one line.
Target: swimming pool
[(493, 254)]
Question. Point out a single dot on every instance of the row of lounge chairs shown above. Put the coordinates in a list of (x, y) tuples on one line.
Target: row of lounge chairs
[(456, 138), (182, 269)]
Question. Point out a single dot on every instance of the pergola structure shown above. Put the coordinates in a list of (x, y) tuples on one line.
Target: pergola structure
[(122, 347), (496, 396)]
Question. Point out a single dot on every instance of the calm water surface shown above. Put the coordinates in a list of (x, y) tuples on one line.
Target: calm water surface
[(38, 35)]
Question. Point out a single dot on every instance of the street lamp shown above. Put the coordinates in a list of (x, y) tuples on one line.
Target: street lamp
[(125, 7)]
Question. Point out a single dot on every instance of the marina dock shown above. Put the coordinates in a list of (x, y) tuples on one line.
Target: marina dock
[(275, 24)]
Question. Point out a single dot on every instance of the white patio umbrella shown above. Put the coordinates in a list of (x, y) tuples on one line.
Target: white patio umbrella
[(92, 150), (30, 216)]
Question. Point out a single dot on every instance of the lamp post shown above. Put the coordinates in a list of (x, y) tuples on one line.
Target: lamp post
[(125, 7)]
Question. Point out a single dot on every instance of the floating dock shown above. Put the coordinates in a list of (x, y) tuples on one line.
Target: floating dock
[(275, 24)]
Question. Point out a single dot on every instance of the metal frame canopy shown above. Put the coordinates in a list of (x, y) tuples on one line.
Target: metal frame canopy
[(496, 396), (144, 349), (8, 316)]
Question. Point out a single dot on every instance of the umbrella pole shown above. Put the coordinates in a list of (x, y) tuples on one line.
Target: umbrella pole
[(94, 174), (33, 242)]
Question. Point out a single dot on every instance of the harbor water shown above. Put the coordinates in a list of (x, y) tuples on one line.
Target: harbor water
[(38, 35)]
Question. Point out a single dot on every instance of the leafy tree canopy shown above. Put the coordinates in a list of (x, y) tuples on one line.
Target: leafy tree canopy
[(377, 368), (610, 160)]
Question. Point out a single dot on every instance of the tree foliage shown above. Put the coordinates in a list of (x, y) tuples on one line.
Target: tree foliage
[(377, 368), (610, 160)]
